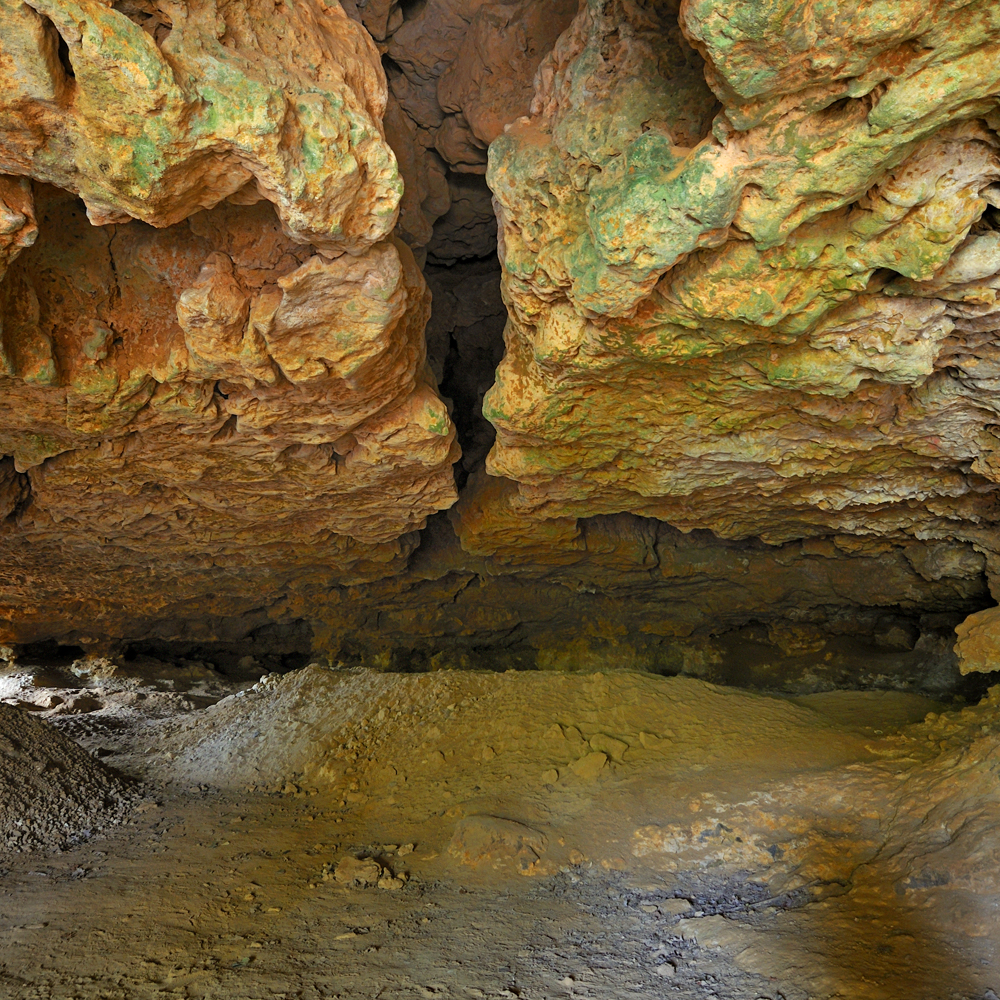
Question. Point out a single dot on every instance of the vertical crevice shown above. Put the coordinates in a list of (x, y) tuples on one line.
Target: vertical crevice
[(465, 346), (55, 51), (15, 491), (62, 51)]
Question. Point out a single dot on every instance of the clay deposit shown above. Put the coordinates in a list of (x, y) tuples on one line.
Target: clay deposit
[(335, 832)]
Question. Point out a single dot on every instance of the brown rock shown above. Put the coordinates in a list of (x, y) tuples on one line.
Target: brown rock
[(380, 17), (978, 645), (425, 192), (712, 330), (18, 228), (217, 423), (465, 69), (490, 83), (222, 397), (469, 227), (589, 766), (155, 112), (358, 871), (609, 746), (479, 839)]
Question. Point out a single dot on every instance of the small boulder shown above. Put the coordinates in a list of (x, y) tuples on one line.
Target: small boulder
[(589, 766), (358, 871), (480, 839), (978, 645), (615, 749)]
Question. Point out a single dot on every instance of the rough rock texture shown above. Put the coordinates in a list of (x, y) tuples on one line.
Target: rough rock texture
[(978, 645), (459, 70), (230, 391), (743, 426), (490, 82), (52, 792), (464, 69), (465, 344), (762, 304), (608, 592), (153, 111)]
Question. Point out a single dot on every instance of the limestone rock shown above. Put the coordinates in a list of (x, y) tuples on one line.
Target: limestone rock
[(490, 83), (469, 228), (458, 71), (423, 48), (497, 841), (210, 379), (380, 17), (621, 591), (610, 746), (465, 345), (232, 401), (358, 871), (589, 766), (978, 645), (761, 304), (18, 228), (487, 526), (426, 196), (153, 111), (748, 400)]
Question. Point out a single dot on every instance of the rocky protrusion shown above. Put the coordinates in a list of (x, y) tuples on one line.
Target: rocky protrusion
[(978, 645), (750, 290), (217, 371), (155, 111)]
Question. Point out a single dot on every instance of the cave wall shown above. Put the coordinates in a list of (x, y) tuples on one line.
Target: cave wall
[(716, 396), (754, 290), (213, 352)]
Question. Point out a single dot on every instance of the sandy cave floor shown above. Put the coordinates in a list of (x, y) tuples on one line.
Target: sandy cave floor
[(604, 835)]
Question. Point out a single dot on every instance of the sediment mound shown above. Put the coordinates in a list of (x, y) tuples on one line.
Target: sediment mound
[(52, 792)]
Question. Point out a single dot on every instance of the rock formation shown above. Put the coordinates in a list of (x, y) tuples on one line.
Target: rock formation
[(217, 373), (744, 408), (752, 277)]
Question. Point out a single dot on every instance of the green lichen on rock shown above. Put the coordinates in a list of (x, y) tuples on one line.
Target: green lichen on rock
[(748, 251), (156, 117), (212, 359)]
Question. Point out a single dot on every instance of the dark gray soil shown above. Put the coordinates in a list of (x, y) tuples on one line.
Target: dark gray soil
[(52, 792)]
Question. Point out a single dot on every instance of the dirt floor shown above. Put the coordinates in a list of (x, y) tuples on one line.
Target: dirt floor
[(356, 834)]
